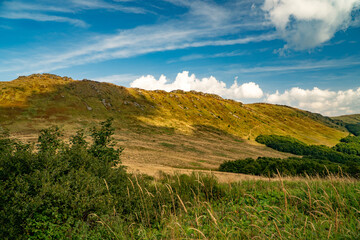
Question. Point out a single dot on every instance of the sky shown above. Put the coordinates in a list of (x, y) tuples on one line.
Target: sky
[(301, 53)]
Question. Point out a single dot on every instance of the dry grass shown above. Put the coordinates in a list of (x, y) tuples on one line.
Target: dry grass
[(350, 119), (49, 99), (180, 130)]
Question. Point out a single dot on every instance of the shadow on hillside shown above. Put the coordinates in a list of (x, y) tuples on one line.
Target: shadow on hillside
[(86, 102), (82, 102)]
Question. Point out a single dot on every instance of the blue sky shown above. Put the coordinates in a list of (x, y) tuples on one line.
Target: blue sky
[(303, 53)]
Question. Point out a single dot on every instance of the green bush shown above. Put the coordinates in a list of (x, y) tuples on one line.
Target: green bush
[(351, 148), (294, 146), (351, 139), (270, 167), (47, 191), (354, 128)]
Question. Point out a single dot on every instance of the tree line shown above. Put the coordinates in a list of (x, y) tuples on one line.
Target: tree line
[(343, 158)]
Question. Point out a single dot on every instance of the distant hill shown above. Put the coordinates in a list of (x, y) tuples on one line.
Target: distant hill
[(352, 123), (38, 100), (349, 119)]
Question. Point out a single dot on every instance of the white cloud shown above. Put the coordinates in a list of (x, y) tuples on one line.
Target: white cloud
[(134, 42), (187, 82), (302, 66), (39, 10), (99, 4), (21, 6), (195, 28), (326, 102), (306, 24), (43, 18)]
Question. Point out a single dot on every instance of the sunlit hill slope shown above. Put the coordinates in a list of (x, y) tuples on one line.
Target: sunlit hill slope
[(48, 99)]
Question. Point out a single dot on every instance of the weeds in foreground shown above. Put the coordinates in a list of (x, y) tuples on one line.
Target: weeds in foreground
[(197, 206), (74, 192)]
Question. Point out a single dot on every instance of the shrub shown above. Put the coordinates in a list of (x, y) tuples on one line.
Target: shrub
[(294, 146), (49, 191), (270, 167)]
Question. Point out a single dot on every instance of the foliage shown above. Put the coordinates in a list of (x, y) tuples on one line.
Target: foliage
[(294, 146), (73, 191), (352, 148), (289, 167), (57, 186), (351, 139), (354, 128), (283, 144)]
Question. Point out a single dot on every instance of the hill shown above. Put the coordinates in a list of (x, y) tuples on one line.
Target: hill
[(188, 129), (352, 123), (349, 119)]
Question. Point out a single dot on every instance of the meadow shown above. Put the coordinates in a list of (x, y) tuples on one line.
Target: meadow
[(78, 189)]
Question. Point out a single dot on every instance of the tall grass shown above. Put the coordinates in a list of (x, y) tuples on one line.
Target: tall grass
[(198, 207), (62, 191)]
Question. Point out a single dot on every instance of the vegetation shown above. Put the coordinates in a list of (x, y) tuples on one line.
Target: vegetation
[(271, 167), (294, 146), (351, 122), (47, 98), (354, 128), (44, 192), (343, 158), (349, 145), (77, 190)]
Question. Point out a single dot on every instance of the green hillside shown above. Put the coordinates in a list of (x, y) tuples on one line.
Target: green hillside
[(48, 99), (349, 119), (352, 123)]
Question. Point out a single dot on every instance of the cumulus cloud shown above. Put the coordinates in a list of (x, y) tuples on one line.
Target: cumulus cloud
[(187, 82), (306, 24), (326, 102)]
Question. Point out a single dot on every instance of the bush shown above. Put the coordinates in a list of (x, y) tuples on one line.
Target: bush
[(351, 139), (270, 167), (294, 146), (49, 191), (351, 148), (354, 128)]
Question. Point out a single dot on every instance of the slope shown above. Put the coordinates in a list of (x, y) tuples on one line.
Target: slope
[(189, 129), (351, 122)]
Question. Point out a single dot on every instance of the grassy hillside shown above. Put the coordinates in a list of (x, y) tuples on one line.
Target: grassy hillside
[(178, 129), (46, 98), (352, 123), (349, 119)]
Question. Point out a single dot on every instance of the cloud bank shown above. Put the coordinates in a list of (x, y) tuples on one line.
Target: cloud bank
[(187, 82), (326, 102), (306, 24)]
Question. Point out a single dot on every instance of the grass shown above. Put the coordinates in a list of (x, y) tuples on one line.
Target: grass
[(168, 145), (198, 207), (80, 191), (45, 98), (349, 119), (191, 149)]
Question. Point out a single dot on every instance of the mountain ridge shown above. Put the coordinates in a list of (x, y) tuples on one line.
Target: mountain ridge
[(50, 98)]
